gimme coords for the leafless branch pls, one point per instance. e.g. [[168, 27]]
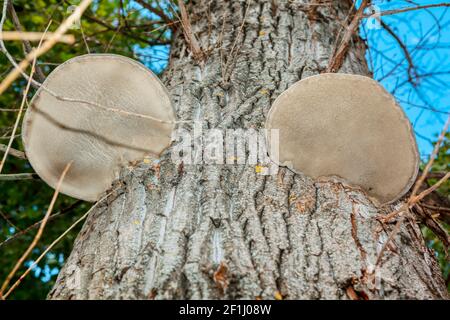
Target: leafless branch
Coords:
[[160, 13], [412, 75], [16, 124], [338, 56], [8, 220], [27, 46], [47, 45], [397, 11], [19, 176], [189, 35], [432, 158], [34, 36], [38, 234], [53, 244], [37, 224], [14, 152]]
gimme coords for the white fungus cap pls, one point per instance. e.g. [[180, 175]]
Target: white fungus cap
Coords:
[[98, 141], [348, 126]]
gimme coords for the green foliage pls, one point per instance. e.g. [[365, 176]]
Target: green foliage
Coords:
[[434, 243], [441, 164], [24, 203]]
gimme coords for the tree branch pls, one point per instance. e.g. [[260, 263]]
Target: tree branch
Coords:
[[158, 12], [46, 46], [37, 224], [27, 46], [19, 176], [36, 237], [396, 11], [123, 31], [411, 68], [14, 152], [339, 55]]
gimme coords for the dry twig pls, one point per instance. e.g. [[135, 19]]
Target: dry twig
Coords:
[[414, 198], [16, 235], [26, 44], [47, 45], [19, 176], [189, 35], [34, 36], [338, 57], [38, 234], [53, 244], [396, 11], [15, 153], [16, 124]]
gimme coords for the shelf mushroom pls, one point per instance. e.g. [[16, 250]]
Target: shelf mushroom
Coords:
[[348, 126], [100, 111]]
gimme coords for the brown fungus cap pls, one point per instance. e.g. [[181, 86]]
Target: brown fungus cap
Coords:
[[348, 126], [82, 122]]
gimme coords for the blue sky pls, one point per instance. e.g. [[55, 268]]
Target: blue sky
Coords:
[[154, 57], [426, 35]]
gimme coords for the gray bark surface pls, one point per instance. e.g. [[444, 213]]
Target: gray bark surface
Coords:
[[226, 232]]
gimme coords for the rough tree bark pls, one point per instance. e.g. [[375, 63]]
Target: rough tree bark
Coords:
[[213, 232]]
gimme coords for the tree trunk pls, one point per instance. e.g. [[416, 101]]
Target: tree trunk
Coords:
[[227, 232]]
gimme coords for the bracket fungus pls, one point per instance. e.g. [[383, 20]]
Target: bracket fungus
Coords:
[[347, 126], [100, 111]]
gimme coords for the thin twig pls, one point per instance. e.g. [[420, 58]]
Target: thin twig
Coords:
[[412, 74], [19, 115], [8, 220], [8, 110], [433, 155], [38, 234], [54, 94], [26, 44], [414, 198], [53, 244], [15, 153], [232, 55], [124, 31], [338, 57], [426, 192], [47, 45], [16, 235], [9, 137], [388, 241], [157, 11], [6, 52], [397, 11], [435, 208], [84, 39], [189, 35]]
